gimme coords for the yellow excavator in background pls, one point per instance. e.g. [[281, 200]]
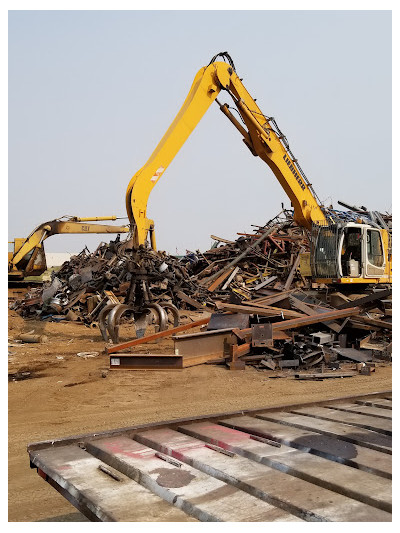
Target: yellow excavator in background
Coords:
[[346, 247], [28, 257]]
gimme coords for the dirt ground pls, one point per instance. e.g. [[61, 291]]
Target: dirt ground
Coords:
[[55, 393]]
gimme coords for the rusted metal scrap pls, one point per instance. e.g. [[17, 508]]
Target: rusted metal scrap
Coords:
[[255, 284], [116, 281]]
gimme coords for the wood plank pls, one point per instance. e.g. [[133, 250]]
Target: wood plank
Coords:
[[198, 494], [360, 436], [159, 335], [300, 497], [357, 484], [107, 499], [328, 445], [353, 419]]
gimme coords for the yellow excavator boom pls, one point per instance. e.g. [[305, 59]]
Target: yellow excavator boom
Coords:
[[259, 132], [33, 244]]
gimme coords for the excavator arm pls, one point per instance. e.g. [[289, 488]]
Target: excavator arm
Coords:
[[260, 134], [33, 244]]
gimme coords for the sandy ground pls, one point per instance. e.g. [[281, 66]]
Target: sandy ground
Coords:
[[67, 395]]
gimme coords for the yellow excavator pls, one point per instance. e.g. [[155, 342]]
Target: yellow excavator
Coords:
[[28, 257], [346, 247]]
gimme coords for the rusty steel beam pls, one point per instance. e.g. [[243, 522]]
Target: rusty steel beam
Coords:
[[258, 310], [305, 321], [220, 279], [379, 295], [159, 335], [322, 317]]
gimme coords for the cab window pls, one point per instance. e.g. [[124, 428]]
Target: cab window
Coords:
[[374, 248]]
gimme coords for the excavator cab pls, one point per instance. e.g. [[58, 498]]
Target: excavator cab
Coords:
[[350, 253], [32, 264]]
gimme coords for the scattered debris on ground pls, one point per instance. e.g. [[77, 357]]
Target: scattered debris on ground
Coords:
[[299, 331]]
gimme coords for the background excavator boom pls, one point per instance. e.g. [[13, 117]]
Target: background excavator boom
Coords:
[[28, 256]]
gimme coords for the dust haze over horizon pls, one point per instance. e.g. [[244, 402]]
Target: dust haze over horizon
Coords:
[[91, 93]]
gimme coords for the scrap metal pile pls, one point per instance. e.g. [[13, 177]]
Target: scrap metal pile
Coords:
[[88, 282], [263, 311], [291, 329], [230, 271], [246, 268]]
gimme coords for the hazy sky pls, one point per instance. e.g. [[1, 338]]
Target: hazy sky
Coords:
[[91, 93]]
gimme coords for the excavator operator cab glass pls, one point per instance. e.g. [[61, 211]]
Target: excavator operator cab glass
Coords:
[[374, 248], [351, 252], [324, 246]]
